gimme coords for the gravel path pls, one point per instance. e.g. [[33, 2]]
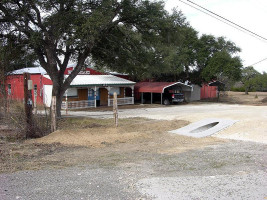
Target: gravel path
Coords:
[[232, 170], [251, 125], [242, 186]]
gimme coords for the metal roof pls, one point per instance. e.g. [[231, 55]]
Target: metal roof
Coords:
[[98, 80], [31, 70], [156, 87], [104, 80]]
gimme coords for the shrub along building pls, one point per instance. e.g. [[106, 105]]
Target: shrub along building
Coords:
[[88, 89]]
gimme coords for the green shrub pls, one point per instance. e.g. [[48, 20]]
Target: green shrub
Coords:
[[238, 89]]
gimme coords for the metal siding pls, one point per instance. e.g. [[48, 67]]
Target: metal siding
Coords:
[[208, 92]]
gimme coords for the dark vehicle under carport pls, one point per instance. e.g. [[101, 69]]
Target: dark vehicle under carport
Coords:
[[161, 92]]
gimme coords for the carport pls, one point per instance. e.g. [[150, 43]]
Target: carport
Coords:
[[160, 88]]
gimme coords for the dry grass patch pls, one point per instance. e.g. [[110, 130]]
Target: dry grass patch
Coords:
[[253, 98], [102, 132], [83, 141]]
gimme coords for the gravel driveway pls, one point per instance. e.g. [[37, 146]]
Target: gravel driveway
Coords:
[[252, 124], [232, 169]]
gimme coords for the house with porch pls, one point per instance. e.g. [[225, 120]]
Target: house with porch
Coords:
[[94, 90], [88, 89]]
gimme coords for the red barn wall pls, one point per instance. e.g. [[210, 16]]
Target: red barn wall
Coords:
[[208, 92], [17, 89]]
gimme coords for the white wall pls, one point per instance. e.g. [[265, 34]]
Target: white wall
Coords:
[[195, 94], [47, 94]]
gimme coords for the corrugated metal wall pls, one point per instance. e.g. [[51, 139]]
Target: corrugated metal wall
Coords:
[[208, 92]]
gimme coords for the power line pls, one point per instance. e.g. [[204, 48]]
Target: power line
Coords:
[[216, 18], [226, 21], [259, 62], [229, 21]]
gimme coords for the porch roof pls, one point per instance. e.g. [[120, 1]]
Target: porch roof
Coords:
[[156, 87], [99, 80]]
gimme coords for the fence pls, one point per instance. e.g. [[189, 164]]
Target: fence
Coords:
[[91, 103], [78, 104], [122, 101]]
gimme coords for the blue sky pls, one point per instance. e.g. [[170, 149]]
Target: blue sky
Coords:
[[249, 14]]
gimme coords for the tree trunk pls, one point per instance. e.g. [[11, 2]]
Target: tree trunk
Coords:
[[58, 91], [246, 91], [59, 98], [4, 95]]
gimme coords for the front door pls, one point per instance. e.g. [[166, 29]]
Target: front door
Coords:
[[91, 94]]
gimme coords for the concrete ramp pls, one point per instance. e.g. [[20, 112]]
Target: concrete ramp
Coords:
[[204, 127]]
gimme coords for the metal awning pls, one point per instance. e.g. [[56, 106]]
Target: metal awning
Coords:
[[157, 87]]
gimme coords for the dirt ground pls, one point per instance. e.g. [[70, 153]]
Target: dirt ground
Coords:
[[95, 139], [253, 98], [83, 140]]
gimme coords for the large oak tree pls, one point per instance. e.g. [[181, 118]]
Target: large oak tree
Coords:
[[60, 31]]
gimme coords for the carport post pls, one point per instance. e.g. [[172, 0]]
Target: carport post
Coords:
[[142, 98], [151, 97], [161, 98]]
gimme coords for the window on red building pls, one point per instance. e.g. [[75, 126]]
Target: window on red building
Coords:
[[35, 90], [9, 89]]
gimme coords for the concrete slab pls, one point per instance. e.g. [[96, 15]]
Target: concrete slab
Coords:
[[204, 127]]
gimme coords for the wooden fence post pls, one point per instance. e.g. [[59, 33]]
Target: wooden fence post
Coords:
[[53, 114], [28, 107], [35, 99], [115, 108]]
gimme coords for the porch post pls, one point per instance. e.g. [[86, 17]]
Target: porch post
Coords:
[[95, 95], [66, 102], [124, 92], [151, 97], [132, 87], [108, 95], [142, 98], [161, 98]]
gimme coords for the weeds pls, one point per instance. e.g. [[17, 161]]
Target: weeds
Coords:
[[15, 121]]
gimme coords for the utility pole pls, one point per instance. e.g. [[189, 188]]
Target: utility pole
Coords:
[[28, 107]]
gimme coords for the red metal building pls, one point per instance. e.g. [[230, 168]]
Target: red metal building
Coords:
[[208, 92], [42, 85], [15, 83]]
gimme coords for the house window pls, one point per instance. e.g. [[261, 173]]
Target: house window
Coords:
[[113, 90], [71, 92], [9, 89], [35, 90]]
